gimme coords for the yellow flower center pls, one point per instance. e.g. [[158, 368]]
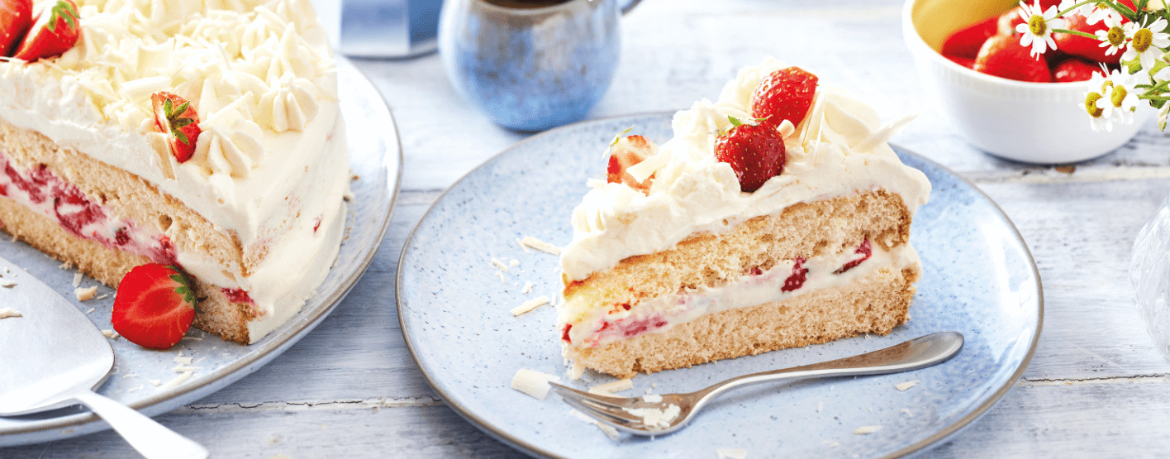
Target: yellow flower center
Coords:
[[1116, 36], [1091, 105], [1117, 96], [1142, 40], [1105, 86], [1037, 25]]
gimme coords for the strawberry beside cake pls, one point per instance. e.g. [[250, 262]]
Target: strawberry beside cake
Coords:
[[202, 135], [775, 217]]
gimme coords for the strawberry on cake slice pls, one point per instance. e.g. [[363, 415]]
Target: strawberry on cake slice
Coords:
[[775, 217], [199, 136]]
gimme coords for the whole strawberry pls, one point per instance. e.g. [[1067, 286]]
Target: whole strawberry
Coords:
[[754, 151], [15, 19], [1003, 56], [174, 117], [1088, 48], [1009, 20], [154, 307], [786, 94], [1075, 69], [966, 42], [55, 29]]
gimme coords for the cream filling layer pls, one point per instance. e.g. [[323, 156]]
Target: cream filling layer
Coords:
[[593, 325]]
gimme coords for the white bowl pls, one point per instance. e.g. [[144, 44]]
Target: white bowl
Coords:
[[1041, 123]]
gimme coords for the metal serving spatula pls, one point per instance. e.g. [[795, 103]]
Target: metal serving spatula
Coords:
[[53, 357]]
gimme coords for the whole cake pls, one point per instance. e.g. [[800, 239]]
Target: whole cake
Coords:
[[775, 217], [203, 135]]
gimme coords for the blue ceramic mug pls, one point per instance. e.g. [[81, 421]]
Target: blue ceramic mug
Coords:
[[531, 64]]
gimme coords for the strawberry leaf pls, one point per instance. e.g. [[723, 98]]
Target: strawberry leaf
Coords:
[[63, 10], [184, 288], [618, 137], [734, 121]]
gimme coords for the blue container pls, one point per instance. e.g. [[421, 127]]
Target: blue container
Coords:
[[531, 69]]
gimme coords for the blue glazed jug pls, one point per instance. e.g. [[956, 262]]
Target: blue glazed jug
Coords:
[[531, 68]]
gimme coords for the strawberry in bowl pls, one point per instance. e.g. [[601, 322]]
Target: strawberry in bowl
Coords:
[[1022, 96]]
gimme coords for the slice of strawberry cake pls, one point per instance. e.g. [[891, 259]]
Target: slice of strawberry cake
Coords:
[[776, 217], [203, 135]]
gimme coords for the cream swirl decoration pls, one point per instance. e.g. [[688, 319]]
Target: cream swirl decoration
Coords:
[[252, 69]]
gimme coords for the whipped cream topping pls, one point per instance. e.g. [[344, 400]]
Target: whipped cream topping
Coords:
[[270, 164], [840, 148]]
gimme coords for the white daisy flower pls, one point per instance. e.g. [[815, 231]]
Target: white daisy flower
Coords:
[[1097, 104], [1036, 30], [1123, 96], [1096, 13], [1113, 37], [1083, 10], [1146, 43]]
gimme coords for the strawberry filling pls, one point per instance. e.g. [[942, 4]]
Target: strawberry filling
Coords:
[[237, 295], [38, 189], [796, 280]]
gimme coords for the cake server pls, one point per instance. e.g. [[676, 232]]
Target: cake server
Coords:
[[669, 412], [53, 356]]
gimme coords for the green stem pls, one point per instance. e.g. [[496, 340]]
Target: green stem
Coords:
[[1074, 32], [1078, 5], [1146, 97]]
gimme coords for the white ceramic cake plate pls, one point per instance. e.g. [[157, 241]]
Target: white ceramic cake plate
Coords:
[[375, 155], [979, 279]]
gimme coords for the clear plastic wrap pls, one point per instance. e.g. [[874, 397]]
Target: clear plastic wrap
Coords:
[[1149, 271]]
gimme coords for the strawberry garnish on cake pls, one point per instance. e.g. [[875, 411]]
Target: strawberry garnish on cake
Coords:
[[154, 307], [55, 29], [15, 19], [624, 153], [786, 94], [174, 117], [754, 151]]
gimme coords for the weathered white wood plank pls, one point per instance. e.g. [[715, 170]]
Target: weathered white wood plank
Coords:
[[1092, 419]]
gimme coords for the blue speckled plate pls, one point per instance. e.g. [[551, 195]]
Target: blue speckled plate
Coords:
[[374, 154], [979, 279]]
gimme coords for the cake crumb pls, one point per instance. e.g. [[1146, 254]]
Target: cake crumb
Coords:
[[654, 385], [906, 411], [91, 310], [731, 453], [85, 294], [77, 279], [65, 265], [533, 383], [527, 288], [540, 245], [866, 430], [610, 432], [7, 283], [514, 263], [902, 387], [499, 265], [8, 313], [529, 305], [612, 386], [110, 334]]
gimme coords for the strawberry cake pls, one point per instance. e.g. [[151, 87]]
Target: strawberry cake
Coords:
[[204, 136], [775, 217]]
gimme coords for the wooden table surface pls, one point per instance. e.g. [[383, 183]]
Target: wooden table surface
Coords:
[[1096, 387]]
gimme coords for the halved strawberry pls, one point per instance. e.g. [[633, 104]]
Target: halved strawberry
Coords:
[[15, 19], [966, 42], [154, 307], [55, 29], [174, 116], [625, 152], [786, 94], [755, 152]]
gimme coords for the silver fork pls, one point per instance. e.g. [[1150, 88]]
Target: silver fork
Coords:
[[641, 417]]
